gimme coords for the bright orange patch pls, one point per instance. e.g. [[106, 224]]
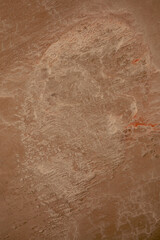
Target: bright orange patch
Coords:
[[140, 122], [135, 60], [136, 124]]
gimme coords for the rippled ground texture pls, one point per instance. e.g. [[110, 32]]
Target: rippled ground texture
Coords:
[[79, 124]]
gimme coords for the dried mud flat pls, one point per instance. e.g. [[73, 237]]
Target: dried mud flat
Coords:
[[79, 132]]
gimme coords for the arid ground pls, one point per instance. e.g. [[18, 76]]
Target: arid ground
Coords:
[[80, 120]]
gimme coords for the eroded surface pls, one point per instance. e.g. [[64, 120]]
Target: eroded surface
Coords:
[[79, 129]]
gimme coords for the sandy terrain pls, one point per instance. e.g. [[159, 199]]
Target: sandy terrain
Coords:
[[80, 120]]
